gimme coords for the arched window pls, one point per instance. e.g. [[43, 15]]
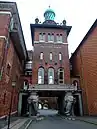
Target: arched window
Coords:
[[41, 75], [60, 56], [50, 76], [61, 76]]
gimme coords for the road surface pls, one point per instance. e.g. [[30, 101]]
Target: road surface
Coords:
[[53, 121]]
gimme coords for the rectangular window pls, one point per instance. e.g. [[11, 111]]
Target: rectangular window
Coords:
[[51, 81], [51, 56], [42, 37], [60, 56], [40, 76], [61, 76], [59, 38], [25, 85], [41, 56], [50, 76], [50, 37]]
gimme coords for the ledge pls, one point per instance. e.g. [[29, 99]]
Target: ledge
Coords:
[[64, 87]]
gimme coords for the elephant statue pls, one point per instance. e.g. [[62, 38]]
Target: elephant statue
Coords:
[[33, 104], [69, 99]]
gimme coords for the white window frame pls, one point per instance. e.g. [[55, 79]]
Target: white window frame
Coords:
[[59, 71], [50, 37], [41, 56], [59, 38], [51, 77], [42, 38], [51, 56], [41, 78], [60, 56]]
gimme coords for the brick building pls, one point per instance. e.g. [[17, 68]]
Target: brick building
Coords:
[[49, 62], [84, 68], [13, 54], [51, 67], [50, 52]]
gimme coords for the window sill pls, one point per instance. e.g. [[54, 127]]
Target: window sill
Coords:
[[41, 41], [50, 41], [59, 42]]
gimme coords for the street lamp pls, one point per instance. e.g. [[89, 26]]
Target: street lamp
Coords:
[[13, 85]]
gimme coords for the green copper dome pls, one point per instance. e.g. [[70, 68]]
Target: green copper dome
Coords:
[[49, 14]]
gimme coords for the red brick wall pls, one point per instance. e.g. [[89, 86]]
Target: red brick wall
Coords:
[[46, 48], [4, 24], [46, 31], [86, 60], [6, 82], [15, 71]]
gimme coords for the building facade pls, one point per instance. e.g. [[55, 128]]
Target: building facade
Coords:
[[13, 55], [50, 57], [84, 68], [45, 71], [51, 66]]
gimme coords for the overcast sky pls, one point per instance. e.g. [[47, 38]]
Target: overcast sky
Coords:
[[80, 14]]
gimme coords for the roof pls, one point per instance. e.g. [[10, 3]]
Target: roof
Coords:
[[49, 26], [85, 38]]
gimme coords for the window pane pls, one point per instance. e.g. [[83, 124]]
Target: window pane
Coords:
[[40, 76], [52, 37], [61, 75], [51, 56], [60, 38], [42, 37], [51, 76], [60, 56], [57, 38], [41, 56], [49, 37]]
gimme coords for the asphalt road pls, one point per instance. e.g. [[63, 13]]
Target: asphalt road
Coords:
[[53, 121]]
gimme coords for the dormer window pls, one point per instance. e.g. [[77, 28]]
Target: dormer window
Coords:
[[59, 38], [42, 37], [50, 37]]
